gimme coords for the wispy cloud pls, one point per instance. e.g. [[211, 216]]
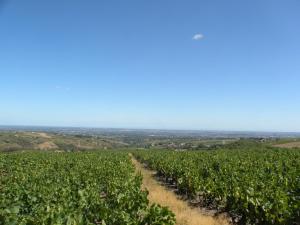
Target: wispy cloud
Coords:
[[198, 37], [58, 87]]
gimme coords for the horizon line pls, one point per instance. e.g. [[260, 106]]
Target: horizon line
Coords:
[[153, 129]]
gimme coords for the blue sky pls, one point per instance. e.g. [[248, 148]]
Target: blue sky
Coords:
[[212, 64]]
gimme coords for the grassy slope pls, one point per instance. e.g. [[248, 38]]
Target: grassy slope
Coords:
[[13, 141]]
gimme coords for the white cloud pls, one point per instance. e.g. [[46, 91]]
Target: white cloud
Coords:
[[198, 37], [62, 88]]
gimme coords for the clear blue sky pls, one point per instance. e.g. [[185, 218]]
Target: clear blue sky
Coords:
[[193, 64]]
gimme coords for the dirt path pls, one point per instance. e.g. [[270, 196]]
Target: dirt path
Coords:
[[185, 215]]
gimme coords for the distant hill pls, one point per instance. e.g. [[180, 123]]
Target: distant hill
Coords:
[[14, 138], [24, 140]]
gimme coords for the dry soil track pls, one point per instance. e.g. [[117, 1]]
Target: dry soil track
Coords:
[[185, 214]]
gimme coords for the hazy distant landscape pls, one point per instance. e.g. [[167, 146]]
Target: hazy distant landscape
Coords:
[[14, 138]]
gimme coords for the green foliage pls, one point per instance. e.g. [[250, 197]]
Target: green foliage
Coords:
[[74, 189], [259, 186]]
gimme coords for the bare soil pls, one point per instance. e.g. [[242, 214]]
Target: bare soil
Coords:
[[295, 144], [48, 145]]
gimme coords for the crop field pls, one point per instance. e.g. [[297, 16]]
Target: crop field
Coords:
[[74, 189], [255, 186]]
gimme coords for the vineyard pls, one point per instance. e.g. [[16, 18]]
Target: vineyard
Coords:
[[256, 186], [74, 189]]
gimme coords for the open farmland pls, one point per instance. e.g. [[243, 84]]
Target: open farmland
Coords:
[[74, 188], [255, 185]]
